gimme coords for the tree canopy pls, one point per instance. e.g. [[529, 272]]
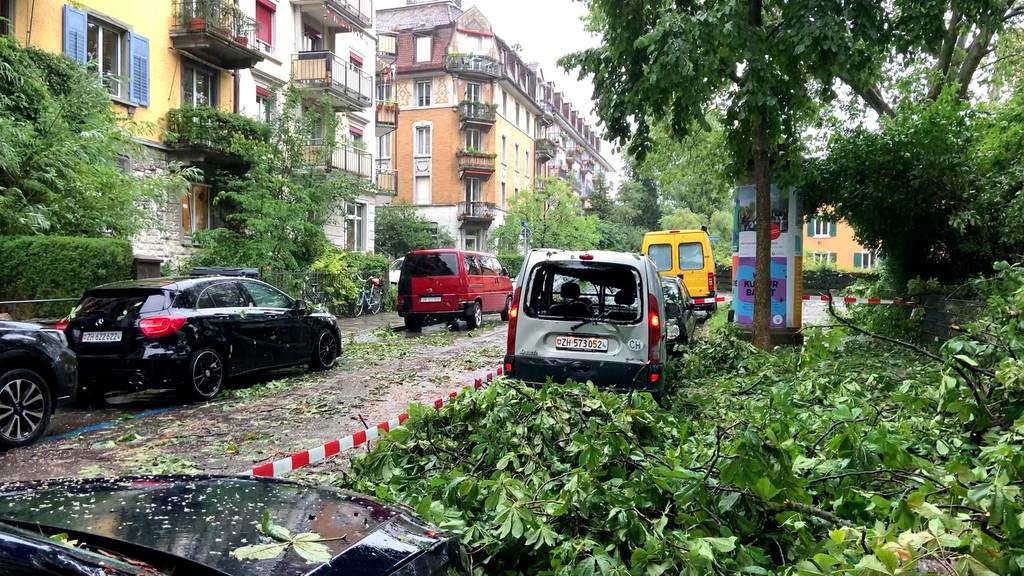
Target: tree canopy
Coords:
[[555, 218], [399, 229]]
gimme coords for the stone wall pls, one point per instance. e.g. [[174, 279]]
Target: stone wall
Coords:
[[163, 238]]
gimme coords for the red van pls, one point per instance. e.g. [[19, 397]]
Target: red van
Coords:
[[451, 284]]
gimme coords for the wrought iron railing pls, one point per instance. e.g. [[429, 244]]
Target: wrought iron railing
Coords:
[[473, 64], [546, 148], [217, 17], [476, 161], [327, 70], [387, 113], [360, 11], [344, 157], [477, 210], [478, 111], [387, 181]]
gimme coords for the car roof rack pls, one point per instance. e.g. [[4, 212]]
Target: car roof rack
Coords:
[[202, 271]]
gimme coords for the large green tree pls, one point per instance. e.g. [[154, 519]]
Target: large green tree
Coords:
[[61, 146], [769, 63], [399, 229], [554, 217]]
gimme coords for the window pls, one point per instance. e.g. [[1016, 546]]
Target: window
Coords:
[[580, 290], [422, 141], [474, 267], [384, 149], [198, 86], [223, 295], [517, 157], [473, 139], [264, 105], [472, 192], [823, 228], [470, 242], [865, 260], [355, 226], [424, 47], [312, 41], [504, 156], [355, 60], [107, 46], [6, 17], [195, 209], [823, 257], [473, 92], [691, 256], [503, 193], [385, 91], [504, 104], [421, 194], [265, 296], [423, 88], [265, 24], [661, 254], [527, 121], [527, 167], [442, 264], [517, 114]]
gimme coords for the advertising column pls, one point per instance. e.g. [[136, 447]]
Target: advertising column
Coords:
[[787, 257]]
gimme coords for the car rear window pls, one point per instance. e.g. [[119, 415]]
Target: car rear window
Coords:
[[661, 254], [443, 264], [120, 306], [691, 256], [584, 290]]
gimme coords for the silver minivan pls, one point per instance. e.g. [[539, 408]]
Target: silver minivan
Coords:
[[588, 316]]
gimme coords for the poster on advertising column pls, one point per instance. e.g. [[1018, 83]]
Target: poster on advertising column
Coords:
[[786, 252]]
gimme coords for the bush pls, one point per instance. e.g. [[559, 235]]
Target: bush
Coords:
[[513, 262], [38, 267], [399, 229], [212, 128], [341, 274]]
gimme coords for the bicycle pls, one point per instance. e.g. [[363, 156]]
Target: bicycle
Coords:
[[370, 298]]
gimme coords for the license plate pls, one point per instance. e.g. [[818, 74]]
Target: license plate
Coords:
[[101, 337], [581, 344], [430, 299]]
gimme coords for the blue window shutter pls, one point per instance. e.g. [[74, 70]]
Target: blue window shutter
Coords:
[[138, 71], [858, 260], [832, 229], [75, 27], [810, 227]]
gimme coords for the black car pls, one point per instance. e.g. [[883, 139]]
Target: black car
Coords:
[[190, 334], [37, 373], [679, 314], [197, 526]]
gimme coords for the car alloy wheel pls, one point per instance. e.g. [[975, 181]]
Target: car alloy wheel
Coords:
[[326, 349], [24, 408], [207, 373]]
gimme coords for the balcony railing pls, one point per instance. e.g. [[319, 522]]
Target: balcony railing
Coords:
[[477, 112], [480, 211], [216, 31], [359, 11], [211, 130], [344, 157], [387, 117], [473, 65], [387, 181], [476, 163], [387, 47], [545, 149], [347, 85]]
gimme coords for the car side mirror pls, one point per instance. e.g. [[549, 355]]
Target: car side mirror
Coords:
[[300, 306], [504, 272]]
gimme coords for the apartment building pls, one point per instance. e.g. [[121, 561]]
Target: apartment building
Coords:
[[472, 111], [833, 243], [163, 55]]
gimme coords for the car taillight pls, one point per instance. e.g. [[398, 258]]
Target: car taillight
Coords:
[[513, 320], [711, 282], [653, 329], [160, 326], [61, 325]]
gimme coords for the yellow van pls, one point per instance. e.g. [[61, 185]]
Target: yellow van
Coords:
[[686, 254]]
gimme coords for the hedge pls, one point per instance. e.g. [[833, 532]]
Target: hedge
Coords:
[[512, 262], [38, 267]]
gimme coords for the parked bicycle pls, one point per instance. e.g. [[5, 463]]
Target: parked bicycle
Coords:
[[370, 298]]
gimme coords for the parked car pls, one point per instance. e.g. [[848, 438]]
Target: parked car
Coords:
[[38, 373], [679, 314], [395, 271], [191, 334], [160, 525], [451, 284], [588, 316], [685, 254]]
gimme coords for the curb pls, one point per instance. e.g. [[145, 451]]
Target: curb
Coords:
[[304, 458]]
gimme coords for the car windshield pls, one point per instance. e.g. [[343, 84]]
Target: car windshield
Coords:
[[438, 264], [691, 256], [584, 291], [661, 254]]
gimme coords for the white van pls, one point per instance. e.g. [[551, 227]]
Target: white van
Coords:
[[588, 316]]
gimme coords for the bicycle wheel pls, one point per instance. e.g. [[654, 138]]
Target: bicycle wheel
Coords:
[[376, 303], [360, 305]]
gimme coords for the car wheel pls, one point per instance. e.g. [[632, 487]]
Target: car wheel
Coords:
[[206, 373], [25, 408], [325, 350], [475, 317], [413, 323], [505, 314]]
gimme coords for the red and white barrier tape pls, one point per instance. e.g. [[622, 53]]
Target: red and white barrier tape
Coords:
[[822, 298], [712, 300], [304, 458]]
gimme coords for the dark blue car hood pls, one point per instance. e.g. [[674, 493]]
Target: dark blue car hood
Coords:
[[204, 518]]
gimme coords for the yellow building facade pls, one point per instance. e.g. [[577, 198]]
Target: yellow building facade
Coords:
[[834, 243]]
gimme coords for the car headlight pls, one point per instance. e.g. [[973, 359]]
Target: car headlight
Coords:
[[58, 335]]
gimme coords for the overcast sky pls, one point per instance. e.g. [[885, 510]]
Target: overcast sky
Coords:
[[547, 30]]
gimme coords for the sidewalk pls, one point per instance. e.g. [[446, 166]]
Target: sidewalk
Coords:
[[367, 323]]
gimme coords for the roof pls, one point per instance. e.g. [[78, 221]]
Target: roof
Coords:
[[416, 17], [174, 283]]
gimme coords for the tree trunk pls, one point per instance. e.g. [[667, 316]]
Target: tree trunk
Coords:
[[763, 254]]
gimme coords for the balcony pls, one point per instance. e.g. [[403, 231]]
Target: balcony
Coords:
[[205, 134], [387, 118], [476, 164], [473, 66], [387, 181], [345, 157], [387, 48], [545, 149], [476, 213], [477, 114], [325, 74], [340, 15], [215, 31]]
